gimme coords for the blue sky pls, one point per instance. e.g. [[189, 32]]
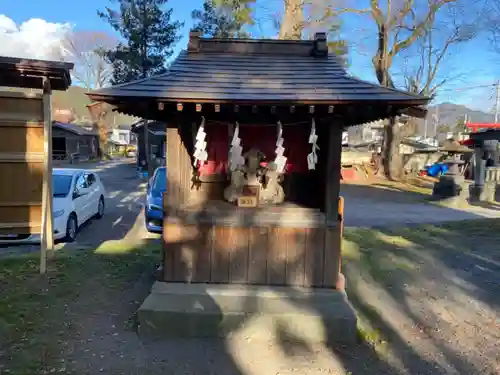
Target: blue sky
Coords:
[[475, 63]]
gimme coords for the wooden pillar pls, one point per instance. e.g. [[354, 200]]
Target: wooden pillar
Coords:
[[47, 232], [173, 165], [333, 226], [147, 149], [179, 173]]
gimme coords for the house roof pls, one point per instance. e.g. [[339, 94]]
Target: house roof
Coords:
[[28, 73], [155, 127], [72, 128], [251, 71]]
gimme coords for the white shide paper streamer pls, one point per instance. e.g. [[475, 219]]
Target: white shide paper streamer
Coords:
[[236, 158], [200, 148], [280, 159], [312, 157]]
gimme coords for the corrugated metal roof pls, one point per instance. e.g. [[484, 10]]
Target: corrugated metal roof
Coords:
[[239, 70], [76, 129]]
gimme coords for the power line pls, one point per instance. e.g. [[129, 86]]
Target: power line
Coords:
[[469, 87]]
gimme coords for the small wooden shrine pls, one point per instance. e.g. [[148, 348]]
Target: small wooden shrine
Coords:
[[254, 132]]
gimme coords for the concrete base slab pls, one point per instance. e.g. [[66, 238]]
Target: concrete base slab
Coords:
[[257, 312]]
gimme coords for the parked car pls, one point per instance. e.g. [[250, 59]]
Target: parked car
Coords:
[[78, 195], [157, 185]]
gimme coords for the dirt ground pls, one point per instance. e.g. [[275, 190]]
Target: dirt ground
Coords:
[[431, 293], [427, 298]]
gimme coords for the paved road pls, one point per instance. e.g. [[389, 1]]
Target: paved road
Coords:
[[367, 206], [124, 214]]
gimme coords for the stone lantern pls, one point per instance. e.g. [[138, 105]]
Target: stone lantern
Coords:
[[451, 183]]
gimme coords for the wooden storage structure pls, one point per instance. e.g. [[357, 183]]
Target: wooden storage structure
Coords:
[[25, 145], [258, 86], [21, 162]]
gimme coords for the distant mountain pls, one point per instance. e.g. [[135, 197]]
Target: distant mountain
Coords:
[[449, 114]]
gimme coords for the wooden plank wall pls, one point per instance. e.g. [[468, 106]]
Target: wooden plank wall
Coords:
[[248, 255], [21, 162], [179, 170]]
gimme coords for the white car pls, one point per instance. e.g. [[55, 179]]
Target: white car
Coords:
[[78, 195]]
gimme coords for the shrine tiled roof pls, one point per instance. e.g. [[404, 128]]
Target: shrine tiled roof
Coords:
[[278, 71]]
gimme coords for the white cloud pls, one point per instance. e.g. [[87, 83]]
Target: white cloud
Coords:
[[34, 39]]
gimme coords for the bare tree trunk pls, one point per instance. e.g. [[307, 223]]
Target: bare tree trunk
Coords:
[[293, 20], [392, 160]]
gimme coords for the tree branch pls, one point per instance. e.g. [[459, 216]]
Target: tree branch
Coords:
[[421, 27]]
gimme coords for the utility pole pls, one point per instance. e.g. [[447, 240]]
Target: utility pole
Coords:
[[436, 121], [497, 102]]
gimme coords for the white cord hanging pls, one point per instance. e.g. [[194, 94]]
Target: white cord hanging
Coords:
[[200, 148], [312, 157], [280, 159], [236, 158]]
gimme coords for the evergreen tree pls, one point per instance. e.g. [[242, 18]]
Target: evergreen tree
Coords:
[[149, 35], [224, 18]]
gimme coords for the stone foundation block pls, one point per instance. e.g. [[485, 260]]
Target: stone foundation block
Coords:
[[257, 312]]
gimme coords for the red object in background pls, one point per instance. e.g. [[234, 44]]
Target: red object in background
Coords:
[[475, 126], [348, 174], [467, 142], [260, 137]]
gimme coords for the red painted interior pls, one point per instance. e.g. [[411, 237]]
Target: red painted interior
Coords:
[[261, 137], [217, 149]]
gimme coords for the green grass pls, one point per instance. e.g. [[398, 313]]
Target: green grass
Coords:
[[33, 321], [394, 257]]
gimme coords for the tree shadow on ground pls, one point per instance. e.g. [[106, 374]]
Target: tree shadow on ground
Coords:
[[361, 358], [428, 276], [94, 296], [489, 205], [381, 193], [128, 279], [101, 307]]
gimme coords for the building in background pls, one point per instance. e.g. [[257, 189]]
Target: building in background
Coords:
[[156, 143], [121, 139], [73, 143]]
